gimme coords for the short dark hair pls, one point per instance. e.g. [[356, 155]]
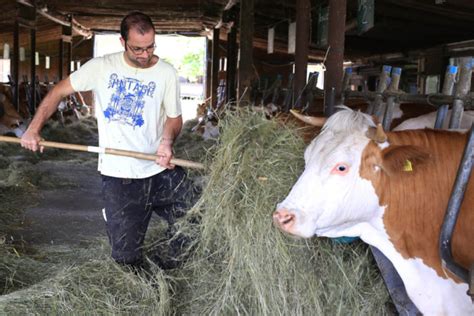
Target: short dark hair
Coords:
[[137, 20]]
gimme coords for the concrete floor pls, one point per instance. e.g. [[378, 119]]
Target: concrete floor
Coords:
[[68, 215]]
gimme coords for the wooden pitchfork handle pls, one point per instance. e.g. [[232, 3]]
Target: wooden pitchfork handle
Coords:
[[108, 151]]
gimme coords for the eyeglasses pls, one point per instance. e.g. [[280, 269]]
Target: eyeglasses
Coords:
[[141, 50]]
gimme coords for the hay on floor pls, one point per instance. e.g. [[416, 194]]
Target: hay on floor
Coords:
[[238, 264]]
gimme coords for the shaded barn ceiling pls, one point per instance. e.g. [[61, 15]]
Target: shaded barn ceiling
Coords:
[[399, 25]]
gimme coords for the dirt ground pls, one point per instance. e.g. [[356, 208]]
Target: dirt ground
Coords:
[[68, 215]]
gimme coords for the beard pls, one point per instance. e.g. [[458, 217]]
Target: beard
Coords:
[[142, 62]]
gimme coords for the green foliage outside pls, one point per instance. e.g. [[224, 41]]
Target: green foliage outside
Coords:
[[189, 61]]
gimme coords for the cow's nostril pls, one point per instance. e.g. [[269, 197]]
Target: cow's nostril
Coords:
[[283, 218], [288, 219]]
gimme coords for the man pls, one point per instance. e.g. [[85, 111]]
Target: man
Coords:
[[137, 108]]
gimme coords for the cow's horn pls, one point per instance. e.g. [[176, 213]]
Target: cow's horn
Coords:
[[377, 134], [312, 120]]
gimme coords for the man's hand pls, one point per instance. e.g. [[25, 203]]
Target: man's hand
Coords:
[[30, 140], [165, 153]]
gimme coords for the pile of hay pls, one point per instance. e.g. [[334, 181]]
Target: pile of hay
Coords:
[[242, 264], [238, 263]]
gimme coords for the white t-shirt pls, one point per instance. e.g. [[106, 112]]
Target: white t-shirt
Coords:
[[131, 108]]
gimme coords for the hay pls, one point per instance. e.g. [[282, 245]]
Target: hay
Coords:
[[241, 263], [88, 281], [238, 264]]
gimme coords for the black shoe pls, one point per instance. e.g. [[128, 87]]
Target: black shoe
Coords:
[[166, 264]]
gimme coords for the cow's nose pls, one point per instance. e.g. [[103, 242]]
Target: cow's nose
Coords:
[[284, 219]]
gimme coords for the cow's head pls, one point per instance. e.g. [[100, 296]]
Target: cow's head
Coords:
[[331, 197]]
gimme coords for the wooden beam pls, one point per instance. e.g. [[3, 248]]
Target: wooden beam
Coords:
[[246, 67], [303, 24], [15, 66], [231, 71], [334, 72], [208, 65], [215, 67]]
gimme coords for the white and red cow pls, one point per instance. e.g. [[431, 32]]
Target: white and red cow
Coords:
[[393, 194]]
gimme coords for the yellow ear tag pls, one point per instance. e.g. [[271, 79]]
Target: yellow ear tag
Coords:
[[407, 166]]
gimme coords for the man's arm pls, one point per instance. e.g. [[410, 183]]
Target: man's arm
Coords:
[[48, 106], [171, 130]]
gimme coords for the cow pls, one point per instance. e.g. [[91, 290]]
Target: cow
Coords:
[[391, 190], [428, 121], [10, 121]]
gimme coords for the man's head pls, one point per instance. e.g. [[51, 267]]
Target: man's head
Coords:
[[138, 39]]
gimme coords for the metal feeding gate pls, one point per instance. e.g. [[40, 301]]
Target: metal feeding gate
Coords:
[[388, 90]]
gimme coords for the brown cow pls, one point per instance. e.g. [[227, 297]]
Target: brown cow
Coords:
[[393, 194]]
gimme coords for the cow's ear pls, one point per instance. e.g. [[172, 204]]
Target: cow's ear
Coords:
[[400, 159]]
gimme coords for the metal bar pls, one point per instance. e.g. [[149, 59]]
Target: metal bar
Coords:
[[456, 114], [448, 85], [395, 79], [441, 116], [394, 284], [435, 100], [454, 206], [387, 118], [463, 87], [449, 79], [378, 108]]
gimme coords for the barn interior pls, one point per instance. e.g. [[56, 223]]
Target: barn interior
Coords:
[[308, 55], [260, 47]]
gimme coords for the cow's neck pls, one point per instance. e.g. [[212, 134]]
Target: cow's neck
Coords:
[[431, 294], [416, 201]]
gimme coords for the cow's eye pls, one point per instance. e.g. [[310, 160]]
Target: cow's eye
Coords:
[[340, 168]]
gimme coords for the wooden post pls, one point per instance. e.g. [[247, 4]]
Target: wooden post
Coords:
[[208, 76], [67, 30], [16, 65], [33, 72], [231, 64], [215, 67], [303, 11], [334, 62], [61, 60], [246, 70]]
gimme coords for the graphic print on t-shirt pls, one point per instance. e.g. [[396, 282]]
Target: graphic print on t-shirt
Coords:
[[127, 101]]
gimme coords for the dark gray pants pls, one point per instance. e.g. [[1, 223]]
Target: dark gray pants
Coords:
[[129, 204]]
